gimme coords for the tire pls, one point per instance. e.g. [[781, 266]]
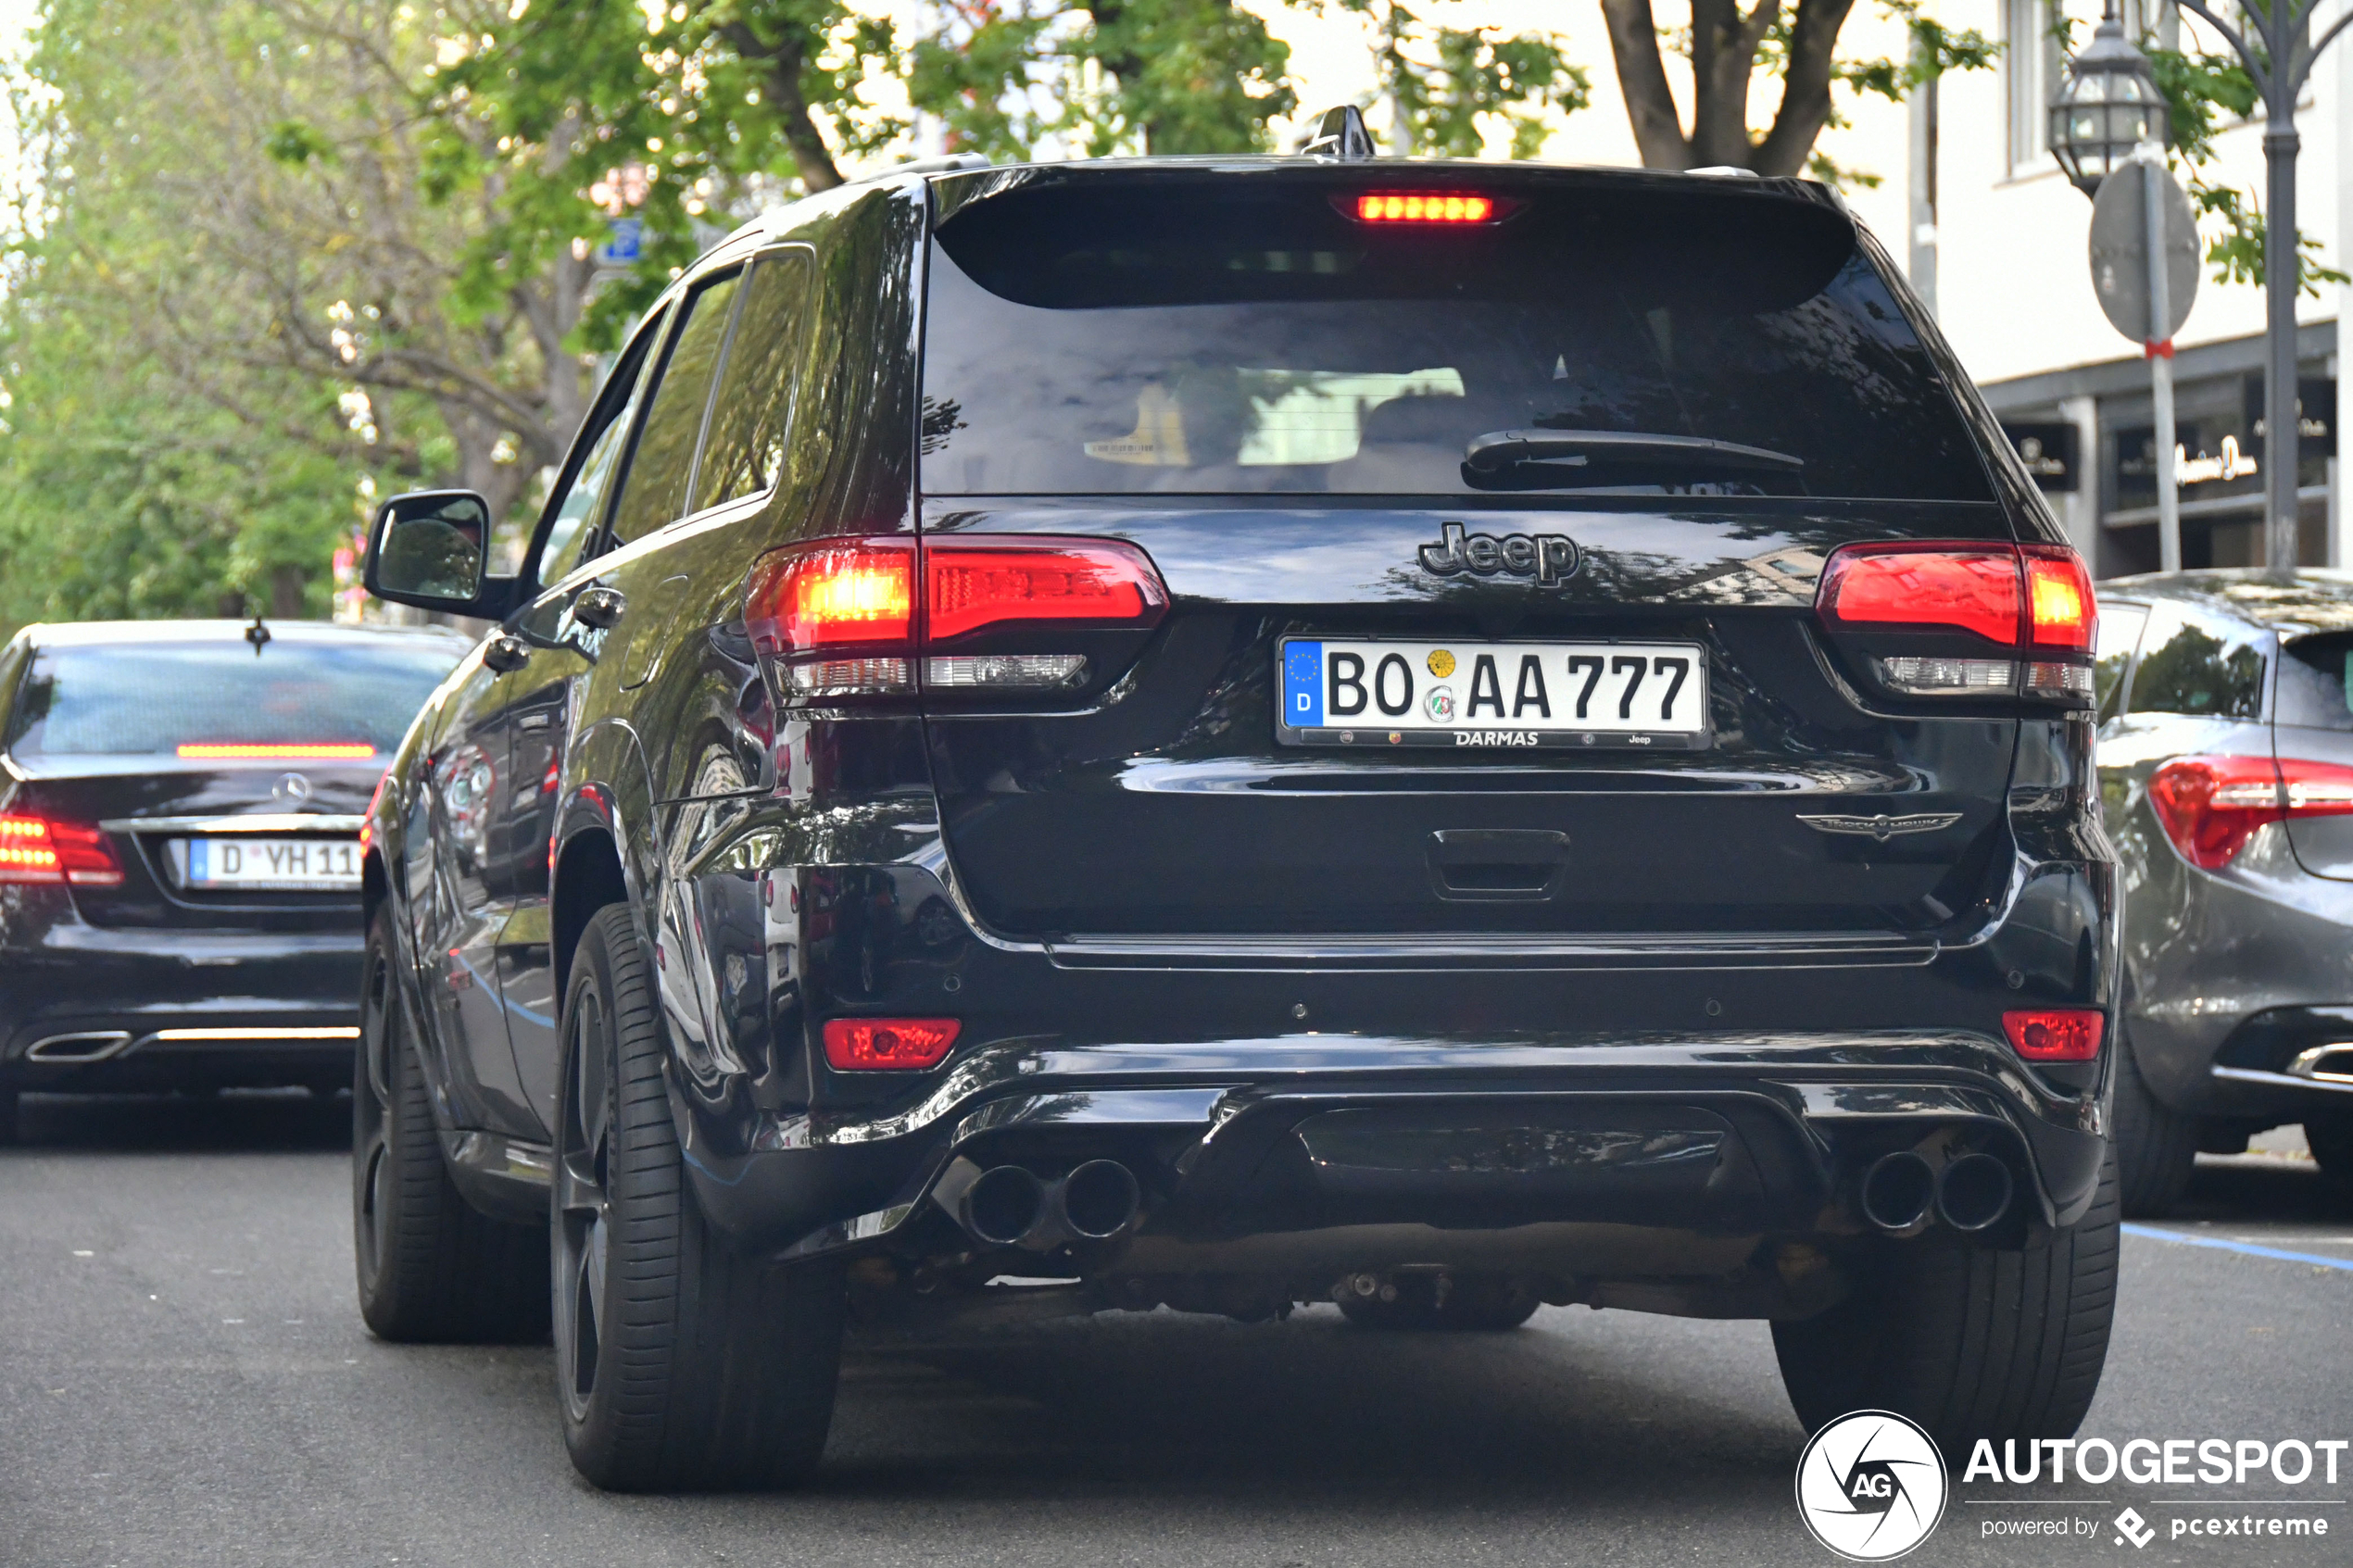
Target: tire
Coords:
[[1969, 1341], [1472, 1302], [682, 1364], [433, 1269], [2156, 1147], [2331, 1140], [10, 1107]]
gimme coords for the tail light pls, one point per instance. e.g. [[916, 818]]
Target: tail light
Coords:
[[38, 849], [866, 617], [2056, 1033], [2211, 805], [368, 818], [888, 1045], [1922, 613], [1424, 206]]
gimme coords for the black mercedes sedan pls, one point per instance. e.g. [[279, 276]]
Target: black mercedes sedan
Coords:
[[1422, 740], [180, 812]]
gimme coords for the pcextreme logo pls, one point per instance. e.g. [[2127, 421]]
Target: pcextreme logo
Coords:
[[1870, 1486]]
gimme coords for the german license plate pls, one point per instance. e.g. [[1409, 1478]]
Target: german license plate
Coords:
[[1492, 695], [274, 864]]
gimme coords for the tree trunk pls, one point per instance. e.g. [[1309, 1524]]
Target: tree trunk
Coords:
[[1724, 64], [285, 592], [784, 60], [1642, 78]]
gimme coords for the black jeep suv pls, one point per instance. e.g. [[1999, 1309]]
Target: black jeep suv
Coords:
[[1224, 734]]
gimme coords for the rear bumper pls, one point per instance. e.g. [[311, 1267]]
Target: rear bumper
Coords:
[[1297, 1153], [2232, 976], [1490, 1078], [91, 1010]]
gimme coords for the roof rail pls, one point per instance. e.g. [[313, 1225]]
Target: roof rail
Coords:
[[1339, 134], [947, 163], [1725, 171]]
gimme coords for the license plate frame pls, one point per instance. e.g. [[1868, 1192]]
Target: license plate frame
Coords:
[[1417, 726], [232, 863]]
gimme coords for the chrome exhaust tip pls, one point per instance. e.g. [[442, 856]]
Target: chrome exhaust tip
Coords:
[[1099, 1199], [1973, 1192], [1897, 1193], [1002, 1205], [92, 1045]]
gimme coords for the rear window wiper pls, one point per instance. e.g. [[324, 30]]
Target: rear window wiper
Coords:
[[1498, 452]]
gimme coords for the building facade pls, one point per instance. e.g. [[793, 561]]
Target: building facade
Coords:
[[1998, 241]]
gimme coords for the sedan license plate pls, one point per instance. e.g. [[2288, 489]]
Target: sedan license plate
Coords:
[[1493, 694], [271, 864]]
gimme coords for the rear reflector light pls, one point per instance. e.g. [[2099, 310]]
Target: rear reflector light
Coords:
[[888, 1045], [38, 851], [305, 751], [1424, 206], [2211, 806], [2055, 1034], [967, 586]]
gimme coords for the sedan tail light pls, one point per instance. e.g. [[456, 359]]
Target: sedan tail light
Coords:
[[2211, 805], [863, 618], [1922, 611], [39, 849]]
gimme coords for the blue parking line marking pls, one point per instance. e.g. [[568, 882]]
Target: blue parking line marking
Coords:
[[2247, 1246]]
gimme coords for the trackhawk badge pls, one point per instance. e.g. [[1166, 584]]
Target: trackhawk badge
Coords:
[[1551, 559], [1882, 827]]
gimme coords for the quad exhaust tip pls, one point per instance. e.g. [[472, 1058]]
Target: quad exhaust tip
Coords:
[[1099, 1199], [1898, 1192], [1002, 1205], [1972, 1192], [1903, 1192], [1008, 1206]]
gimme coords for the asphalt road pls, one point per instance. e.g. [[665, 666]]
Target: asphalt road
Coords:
[[184, 1379]]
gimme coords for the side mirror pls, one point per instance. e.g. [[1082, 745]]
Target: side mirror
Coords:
[[429, 549]]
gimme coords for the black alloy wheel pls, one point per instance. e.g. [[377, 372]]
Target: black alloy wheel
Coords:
[[683, 1364], [432, 1268]]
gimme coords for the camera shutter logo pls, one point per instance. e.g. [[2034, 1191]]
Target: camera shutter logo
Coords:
[[1871, 1487]]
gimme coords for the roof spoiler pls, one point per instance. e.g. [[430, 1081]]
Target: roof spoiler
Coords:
[[1339, 134]]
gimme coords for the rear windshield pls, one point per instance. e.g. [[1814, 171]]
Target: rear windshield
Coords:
[[203, 700], [2316, 683], [1084, 341]]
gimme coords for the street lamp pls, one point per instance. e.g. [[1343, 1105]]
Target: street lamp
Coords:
[[2278, 51], [2107, 105], [2106, 116]]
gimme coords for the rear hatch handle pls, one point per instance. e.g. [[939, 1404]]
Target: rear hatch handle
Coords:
[[1482, 865]]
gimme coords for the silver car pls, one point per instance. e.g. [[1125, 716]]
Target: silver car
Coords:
[[2226, 769]]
